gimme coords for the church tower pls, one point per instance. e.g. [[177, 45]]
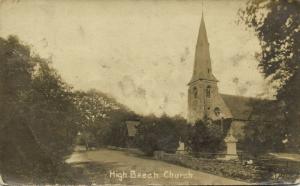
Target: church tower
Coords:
[[203, 96]]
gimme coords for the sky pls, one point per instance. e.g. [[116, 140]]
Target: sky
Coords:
[[140, 52]]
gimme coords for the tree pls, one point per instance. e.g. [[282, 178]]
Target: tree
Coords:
[[93, 108], [267, 129], [146, 137], [37, 115], [276, 24], [206, 136], [117, 127], [102, 119], [160, 133], [51, 107]]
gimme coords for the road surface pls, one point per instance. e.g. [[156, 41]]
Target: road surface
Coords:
[[118, 167]]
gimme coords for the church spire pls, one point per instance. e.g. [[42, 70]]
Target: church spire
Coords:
[[204, 100], [202, 35], [202, 63]]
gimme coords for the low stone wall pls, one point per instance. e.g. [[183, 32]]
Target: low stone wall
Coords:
[[227, 168], [131, 150]]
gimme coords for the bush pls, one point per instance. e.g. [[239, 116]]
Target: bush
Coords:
[[205, 136], [160, 133]]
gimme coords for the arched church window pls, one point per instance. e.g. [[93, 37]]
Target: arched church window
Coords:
[[208, 91], [195, 92], [217, 111]]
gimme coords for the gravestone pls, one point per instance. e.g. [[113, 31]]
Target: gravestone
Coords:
[[180, 149], [231, 152]]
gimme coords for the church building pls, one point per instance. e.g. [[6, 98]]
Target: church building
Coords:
[[204, 99]]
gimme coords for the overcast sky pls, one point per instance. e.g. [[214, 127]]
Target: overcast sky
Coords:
[[140, 52]]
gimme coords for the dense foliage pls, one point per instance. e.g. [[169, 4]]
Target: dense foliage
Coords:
[[160, 133], [164, 134], [277, 25], [267, 130], [207, 136], [37, 114], [40, 116], [102, 119]]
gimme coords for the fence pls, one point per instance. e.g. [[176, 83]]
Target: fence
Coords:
[[131, 150]]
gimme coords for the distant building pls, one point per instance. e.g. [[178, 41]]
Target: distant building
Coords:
[[131, 127], [204, 98]]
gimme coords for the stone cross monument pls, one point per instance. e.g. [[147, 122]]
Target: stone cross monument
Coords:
[[231, 141]]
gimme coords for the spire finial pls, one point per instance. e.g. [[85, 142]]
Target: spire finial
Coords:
[[202, 8]]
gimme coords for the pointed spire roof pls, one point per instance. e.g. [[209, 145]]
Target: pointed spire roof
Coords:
[[202, 35], [202, 63]]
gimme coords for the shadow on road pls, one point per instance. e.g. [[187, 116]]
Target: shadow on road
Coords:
[[91, 172]]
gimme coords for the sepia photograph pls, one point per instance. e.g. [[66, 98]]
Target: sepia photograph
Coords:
[[149, 92]]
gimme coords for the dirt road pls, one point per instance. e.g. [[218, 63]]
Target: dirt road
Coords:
[[117, 167]]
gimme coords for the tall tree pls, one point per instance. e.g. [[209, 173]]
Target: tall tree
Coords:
[[102, 118], [37, 114], [277, 25]]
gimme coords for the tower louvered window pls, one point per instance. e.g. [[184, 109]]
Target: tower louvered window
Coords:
[[195, 92], [208, 91]]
